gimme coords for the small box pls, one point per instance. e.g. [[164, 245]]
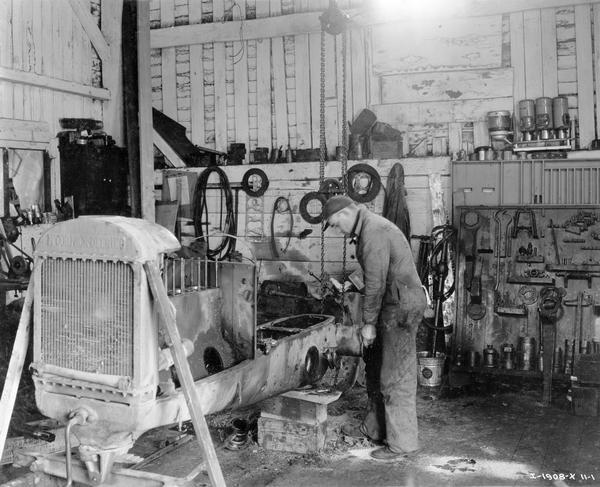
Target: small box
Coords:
[[291, 436], [585, 400], [386, 149]]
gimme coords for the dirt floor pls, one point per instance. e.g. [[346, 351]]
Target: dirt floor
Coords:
[[493, 434]]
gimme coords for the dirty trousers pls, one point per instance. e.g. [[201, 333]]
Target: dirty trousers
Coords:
[[391, 373]]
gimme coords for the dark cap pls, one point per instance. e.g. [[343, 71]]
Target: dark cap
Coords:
[[333, 205]]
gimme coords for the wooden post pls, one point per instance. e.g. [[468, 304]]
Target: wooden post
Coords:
[[15, 367], [145, 110], [166, 310]]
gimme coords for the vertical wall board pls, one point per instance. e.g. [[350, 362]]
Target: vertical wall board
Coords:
[[263, 90], [373, 81], [314, 42], [549, 57], [240, 69], [67, 20], [37, 41], [532, 37], [279, 93], [196, 79], [169, 80], [6, 59], [585, 74], [263, 80], [358, 72], [454, 137], [18, 63], [47, 70], [220, 97], [596, 14], [517, 58], [303, 105]]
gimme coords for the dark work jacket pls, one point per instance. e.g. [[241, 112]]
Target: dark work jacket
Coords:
[[387, 263]]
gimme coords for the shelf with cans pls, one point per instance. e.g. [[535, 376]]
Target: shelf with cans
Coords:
[[521, 269], [542, 128]]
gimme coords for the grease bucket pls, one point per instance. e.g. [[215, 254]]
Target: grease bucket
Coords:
[[430, 369]]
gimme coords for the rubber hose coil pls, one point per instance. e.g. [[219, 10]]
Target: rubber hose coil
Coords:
[[356, 190]]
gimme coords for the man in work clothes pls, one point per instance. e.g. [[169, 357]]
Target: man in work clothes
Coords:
[[394, 302]]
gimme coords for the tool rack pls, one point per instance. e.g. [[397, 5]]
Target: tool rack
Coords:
[[506, 256]]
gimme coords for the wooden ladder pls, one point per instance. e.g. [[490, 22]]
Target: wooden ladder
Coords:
[[166, 311]]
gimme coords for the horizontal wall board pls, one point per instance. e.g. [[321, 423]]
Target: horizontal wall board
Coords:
[[452, 44], [447, 85], [402, 114]]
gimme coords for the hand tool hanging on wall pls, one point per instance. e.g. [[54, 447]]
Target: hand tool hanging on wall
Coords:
[[475, 309], [517, 226], [281, 205], [470, 222]]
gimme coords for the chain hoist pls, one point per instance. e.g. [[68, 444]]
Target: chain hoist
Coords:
[[333, 22]]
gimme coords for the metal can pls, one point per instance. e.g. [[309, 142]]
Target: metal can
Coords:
[[526, 349], [473, 358], [560, 112], [489, 356], [508, 356], [498, 120], [527, 115], [543, 113]]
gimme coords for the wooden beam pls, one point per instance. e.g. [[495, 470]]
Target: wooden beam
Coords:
[[378, 11], [197, 80], [596, 16], [15, 366], [304, 23], [112, 74], [145, 110], [91, 29], [55, 84], [169, 76], [549, 54], [166, 311], [585, 74], [167, 150], [517, 59]]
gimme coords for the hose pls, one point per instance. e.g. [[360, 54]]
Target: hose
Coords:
[[280, 201], [438, 265], [200, 211], [76, 419]]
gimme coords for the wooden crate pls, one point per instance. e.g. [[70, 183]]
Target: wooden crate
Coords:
[[585, 400], [291, 436]]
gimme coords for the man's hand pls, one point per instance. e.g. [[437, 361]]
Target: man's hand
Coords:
[[368, 334]]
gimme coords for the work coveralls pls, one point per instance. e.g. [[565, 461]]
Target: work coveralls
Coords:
[[394, 301]]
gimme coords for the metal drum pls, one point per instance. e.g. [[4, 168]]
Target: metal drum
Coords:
[[527, 115], [498, 120], [526, 353], [560, 116], [543, 116]]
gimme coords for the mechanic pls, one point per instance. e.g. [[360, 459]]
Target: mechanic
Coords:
[[394, 302]]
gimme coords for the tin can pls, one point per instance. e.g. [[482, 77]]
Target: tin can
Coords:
[[489, 356], [526, 353], [473, 358], [508, 356]]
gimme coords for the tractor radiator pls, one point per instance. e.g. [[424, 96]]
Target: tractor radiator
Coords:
[[86, 315]]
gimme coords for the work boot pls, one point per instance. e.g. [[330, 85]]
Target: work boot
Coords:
[[385, 454], [359, 432]]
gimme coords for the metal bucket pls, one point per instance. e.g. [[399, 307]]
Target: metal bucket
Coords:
[[430, 369]]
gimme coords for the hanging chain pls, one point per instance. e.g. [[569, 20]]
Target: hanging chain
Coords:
[[322, 151], [344, 148]]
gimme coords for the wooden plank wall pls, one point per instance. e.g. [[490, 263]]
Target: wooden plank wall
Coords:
[[46, 38], [293, 181], [434, 84]]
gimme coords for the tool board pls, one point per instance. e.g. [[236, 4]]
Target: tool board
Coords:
[[507, 255]]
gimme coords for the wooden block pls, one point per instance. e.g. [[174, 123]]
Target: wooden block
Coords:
[[291, 436]]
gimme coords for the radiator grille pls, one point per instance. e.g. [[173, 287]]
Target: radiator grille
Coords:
[[87, 315]]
